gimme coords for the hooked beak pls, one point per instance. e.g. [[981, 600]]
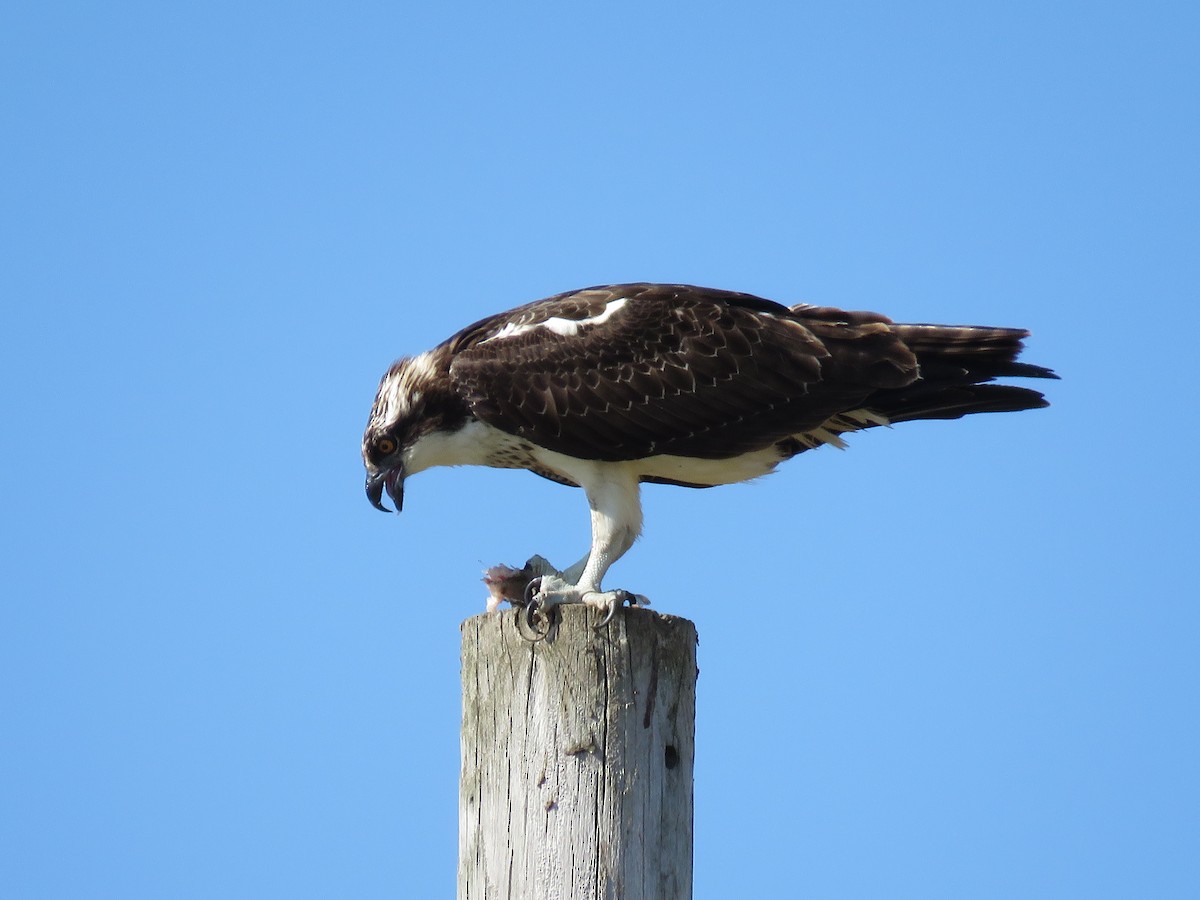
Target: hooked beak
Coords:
[[393, 480]]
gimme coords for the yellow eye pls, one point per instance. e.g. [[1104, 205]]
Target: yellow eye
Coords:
[[385, 445]]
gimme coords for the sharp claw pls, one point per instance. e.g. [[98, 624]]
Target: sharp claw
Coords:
[[623, 597], [531, 603], [532, 607], [608, 617], [531, 589]]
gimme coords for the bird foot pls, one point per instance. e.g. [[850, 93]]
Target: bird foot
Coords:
[[507, 584], [538, 587], [545, 592]]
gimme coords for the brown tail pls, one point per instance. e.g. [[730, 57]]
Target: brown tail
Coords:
[[957, 364]]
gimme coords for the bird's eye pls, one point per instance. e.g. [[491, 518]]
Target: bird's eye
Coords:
[[385, 445]]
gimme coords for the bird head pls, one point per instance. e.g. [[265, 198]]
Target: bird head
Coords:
[[414, 400]]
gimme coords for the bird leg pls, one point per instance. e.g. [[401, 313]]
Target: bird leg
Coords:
[[616, 522]]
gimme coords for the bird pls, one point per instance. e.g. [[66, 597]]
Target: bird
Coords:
[[613, 386]]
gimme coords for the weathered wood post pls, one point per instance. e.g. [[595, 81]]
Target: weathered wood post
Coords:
[[577, 756]]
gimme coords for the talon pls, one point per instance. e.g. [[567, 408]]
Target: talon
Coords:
[[531, 589], [608, 617], [531, 603], [528, 631], [621, 599], [528, 612]]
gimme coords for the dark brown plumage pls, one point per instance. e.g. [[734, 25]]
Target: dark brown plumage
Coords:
[[705, 373], [612, 386]]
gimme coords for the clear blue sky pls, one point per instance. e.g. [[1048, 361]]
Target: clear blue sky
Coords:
[[956, 660]]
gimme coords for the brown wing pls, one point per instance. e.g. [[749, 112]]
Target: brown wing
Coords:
[[673, 369]]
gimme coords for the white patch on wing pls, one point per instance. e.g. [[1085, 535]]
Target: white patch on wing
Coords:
[[559, 325], [512, 329]]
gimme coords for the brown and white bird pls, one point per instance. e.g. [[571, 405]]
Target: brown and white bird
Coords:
[[608, 387]]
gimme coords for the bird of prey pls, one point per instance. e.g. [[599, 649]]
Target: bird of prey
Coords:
[[608, 387]]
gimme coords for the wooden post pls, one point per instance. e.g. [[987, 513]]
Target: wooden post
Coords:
[[577, 758]]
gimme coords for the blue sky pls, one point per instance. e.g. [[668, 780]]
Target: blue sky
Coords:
[[957, 660]]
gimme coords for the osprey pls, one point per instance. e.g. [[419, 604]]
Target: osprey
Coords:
[[608, 387]]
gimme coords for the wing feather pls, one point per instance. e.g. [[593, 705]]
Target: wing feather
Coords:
[[674, 369]]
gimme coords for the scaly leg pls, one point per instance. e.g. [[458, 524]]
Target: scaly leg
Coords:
[[613, 496]]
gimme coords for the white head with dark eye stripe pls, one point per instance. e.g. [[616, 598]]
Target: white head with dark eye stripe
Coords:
[[412, 402]]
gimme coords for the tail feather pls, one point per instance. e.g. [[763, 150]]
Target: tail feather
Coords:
[[936, 402], [918, 371], [957, 362], [950, 340]]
